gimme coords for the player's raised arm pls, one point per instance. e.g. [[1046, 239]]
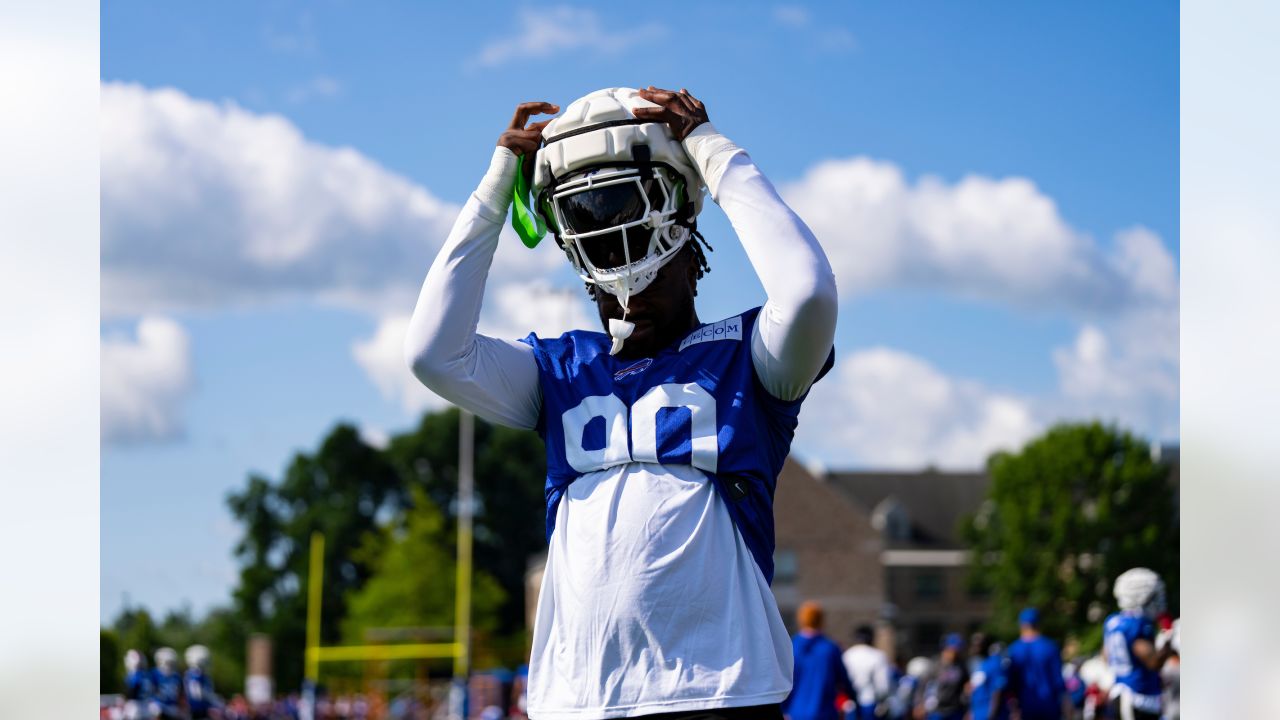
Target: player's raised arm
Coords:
[[496, 379], [793, 336]]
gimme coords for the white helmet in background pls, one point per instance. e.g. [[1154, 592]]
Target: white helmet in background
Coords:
[[1097, 672], [197, 656], [1140, 589], [620, 193], [167, 659], [134, 660], [919, 667]]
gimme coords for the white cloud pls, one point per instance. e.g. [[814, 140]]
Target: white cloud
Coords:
[[543, 32], [886, 408], [999, 240], [382, 359], [511, 312], [146, 382], [208, 204], [1004, 241], [515, 310]]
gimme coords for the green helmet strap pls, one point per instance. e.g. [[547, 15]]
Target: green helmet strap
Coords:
[[526, 221]]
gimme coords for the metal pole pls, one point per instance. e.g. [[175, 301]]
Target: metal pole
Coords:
[[315, 587], [466, 510]]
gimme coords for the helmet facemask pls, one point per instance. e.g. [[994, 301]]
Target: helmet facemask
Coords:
[[619, 226]]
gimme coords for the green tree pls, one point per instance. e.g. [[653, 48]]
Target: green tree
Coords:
[[510, 473], [1064, 516], [341, 490], [352, 492], [414, 579], [110, 662], [135, 630]]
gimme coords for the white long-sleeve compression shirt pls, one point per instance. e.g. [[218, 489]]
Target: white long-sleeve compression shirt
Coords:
[[498, 379]]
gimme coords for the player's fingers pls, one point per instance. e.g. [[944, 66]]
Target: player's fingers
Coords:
[[537, 126], [658, 96], [525, 110], [686, 102], [656, 114]]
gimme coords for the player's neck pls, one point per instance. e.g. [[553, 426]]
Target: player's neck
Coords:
[[664, 338]]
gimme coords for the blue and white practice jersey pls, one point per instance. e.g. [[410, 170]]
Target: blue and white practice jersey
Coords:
[[659, 501], [168, 689], [1119, 633], [200, 696]]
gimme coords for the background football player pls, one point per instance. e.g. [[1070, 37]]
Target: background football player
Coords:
[[201, 699], [1130, 644], [138, 686], [665, 436], [168, 684]]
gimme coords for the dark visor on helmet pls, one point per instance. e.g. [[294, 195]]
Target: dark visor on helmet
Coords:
[[600, 208]]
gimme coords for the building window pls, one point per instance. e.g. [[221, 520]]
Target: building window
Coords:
[[785, 566], [928, 585]]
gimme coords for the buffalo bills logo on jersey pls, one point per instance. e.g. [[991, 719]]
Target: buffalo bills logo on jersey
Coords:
[[635, 369]]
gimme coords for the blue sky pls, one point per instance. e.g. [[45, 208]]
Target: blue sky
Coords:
[[997, 185]]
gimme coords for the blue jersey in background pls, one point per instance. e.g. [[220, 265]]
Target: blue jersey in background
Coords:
[[819, 676], [1035, 678], [168, 688], [1119, 632], [989, 678]]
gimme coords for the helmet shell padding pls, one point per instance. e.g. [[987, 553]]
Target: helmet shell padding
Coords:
[[600, 129]]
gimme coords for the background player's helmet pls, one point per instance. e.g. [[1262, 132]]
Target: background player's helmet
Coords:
[[1095, 672], [197, 656], [167, 659], [134, 660], [1140, 589], [919, 667], [620, 193]]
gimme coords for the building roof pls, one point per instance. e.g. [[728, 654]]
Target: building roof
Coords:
[[932, 502]]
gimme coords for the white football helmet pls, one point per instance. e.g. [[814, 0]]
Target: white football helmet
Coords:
[[919, 667], [620, 193], [134, 660], [1140, 589], [197, 656], [167, 659]]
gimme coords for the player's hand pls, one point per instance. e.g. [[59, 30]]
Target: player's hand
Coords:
[[681, 111], [523, 139]]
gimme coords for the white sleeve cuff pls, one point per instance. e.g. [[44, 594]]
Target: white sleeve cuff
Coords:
[[710, 152], [494, 192]]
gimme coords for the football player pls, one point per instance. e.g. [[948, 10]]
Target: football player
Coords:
[[168, 684], [138, 687], [201, 699], [665, 436], [1130, 646]]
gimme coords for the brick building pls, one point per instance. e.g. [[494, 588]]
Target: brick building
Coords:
[[901, 566]]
